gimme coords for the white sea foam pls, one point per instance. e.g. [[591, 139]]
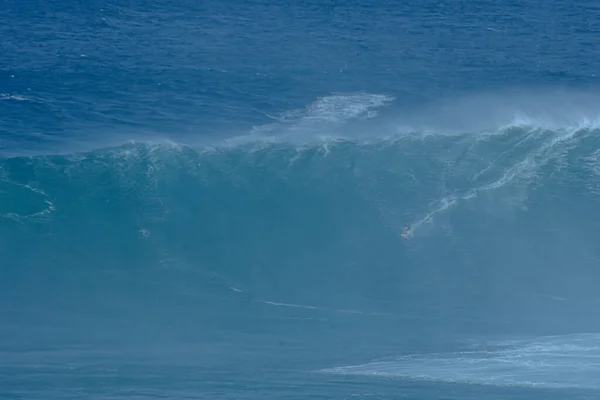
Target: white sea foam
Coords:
[[569, 361]]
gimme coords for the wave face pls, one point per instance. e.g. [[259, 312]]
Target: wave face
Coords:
[[501, 221], [149, 241]]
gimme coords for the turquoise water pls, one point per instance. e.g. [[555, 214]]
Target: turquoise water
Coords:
[[206, 201]]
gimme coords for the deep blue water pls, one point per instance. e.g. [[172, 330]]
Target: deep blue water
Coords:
[[205, 200]]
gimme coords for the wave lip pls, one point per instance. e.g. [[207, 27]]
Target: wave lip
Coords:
[[569, 361]]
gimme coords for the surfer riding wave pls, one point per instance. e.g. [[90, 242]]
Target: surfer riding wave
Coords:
[[406, 231]]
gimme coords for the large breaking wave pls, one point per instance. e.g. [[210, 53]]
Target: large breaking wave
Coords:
[[504, 226]]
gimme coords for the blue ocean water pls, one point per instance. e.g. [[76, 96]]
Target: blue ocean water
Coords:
[[206, 200]]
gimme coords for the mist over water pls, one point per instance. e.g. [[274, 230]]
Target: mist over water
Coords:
[[499, 241]]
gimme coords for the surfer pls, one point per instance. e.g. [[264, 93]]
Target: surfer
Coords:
[[406, 231]]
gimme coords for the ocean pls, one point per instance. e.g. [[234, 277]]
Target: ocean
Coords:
[[206, 200]]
